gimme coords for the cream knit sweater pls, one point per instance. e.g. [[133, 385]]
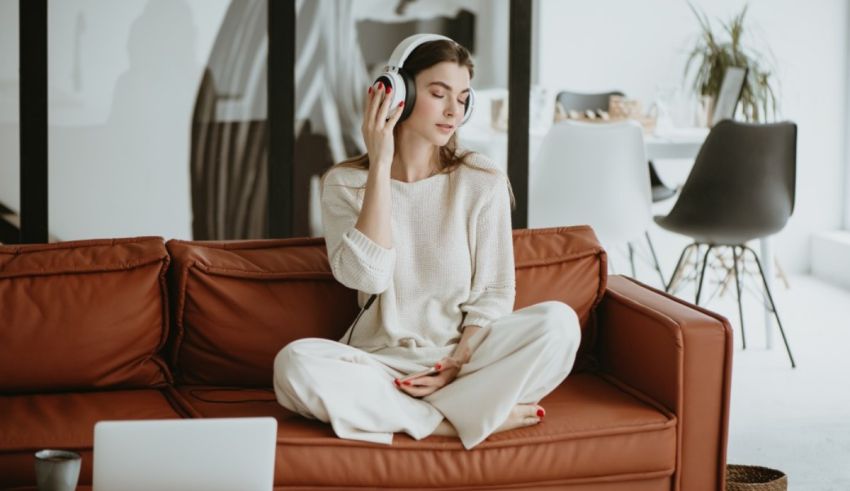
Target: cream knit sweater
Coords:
[[451, 264]]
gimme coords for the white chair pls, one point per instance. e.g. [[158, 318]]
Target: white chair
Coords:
[[595, 174]]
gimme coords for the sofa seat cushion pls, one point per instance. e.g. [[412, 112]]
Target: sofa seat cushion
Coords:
[[593, 432], [31, 422]]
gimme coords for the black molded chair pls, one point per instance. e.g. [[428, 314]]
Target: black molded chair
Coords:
[[741, 188]]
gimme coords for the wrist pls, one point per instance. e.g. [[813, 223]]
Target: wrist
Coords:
[[462, 353], [381, 164]]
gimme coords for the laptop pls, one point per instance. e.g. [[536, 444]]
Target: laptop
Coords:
[[730, 93], [222, 454]]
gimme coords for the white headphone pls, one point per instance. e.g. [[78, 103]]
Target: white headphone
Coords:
[[404, 86]]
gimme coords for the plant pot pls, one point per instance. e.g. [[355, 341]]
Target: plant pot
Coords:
[[754, 478]]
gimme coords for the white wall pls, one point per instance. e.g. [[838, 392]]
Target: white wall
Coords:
[[123, 77], [846, 106], [640, 46]]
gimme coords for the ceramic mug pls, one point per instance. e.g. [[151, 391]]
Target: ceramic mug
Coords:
[[57, 470]]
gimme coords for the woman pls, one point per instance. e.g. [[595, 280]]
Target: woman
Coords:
[[426, 229]]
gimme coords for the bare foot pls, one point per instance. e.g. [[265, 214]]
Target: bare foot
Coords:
[[522, 415]]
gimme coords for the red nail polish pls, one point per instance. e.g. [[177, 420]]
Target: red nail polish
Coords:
[[396, 382], [380, 85], [407, 382], [438, 366], [370, 90], [401, 103], [389, 90], [541, 413]]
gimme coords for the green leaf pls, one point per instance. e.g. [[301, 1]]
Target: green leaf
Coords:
[[712, 54]]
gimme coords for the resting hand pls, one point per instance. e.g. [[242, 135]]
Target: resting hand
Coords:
[[446, 371]]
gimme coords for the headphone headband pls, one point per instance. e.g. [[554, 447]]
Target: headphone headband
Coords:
[[404, 48], [403, 84]]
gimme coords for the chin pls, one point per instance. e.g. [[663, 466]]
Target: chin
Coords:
[[441, 139]]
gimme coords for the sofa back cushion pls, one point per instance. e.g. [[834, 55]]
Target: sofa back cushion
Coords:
[[83, 315], [566, 264], [237, 303]]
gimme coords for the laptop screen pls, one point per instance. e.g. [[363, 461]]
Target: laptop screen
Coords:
[[185, 454]]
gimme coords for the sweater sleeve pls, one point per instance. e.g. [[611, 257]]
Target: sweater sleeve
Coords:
[[493, 278], [356, 260]]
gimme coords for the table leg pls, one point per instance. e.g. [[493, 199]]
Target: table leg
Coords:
[[767, 265]]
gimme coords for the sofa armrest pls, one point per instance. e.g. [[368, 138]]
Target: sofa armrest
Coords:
[[680, 356]]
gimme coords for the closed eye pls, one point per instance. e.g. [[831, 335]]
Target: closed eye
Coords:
[[439, 96]]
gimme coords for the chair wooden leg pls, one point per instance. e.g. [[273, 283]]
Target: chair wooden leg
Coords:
[[728, 273], [772, 305], [683, 276]]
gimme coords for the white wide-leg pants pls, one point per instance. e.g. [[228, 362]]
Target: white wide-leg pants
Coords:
[[521, 358]]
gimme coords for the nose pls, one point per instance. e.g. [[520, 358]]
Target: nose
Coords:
[[453, 107]]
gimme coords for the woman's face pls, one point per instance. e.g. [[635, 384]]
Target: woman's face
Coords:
[[441, 93]]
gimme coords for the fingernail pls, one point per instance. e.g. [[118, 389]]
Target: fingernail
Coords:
[[396, 382], [438, 366], [541, 413], [370, 90], [380, 85], [407, 382], [389, 90], [401, 103]]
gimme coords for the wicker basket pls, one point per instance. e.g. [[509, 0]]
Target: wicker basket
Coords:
[[754, 478]]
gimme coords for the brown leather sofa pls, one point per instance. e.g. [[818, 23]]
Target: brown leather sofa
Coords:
[[138, 329]]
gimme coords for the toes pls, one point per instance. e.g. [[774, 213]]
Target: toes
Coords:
[[531, 410], [528, 414]]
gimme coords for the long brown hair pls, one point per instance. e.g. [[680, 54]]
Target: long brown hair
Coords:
[[423, 57]]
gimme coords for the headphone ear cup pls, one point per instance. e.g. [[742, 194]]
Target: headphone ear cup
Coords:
[[397, 82], [385, 78], [409, 94], [468, 107]]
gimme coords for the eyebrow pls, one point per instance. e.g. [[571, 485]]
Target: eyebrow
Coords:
[[446, 86]]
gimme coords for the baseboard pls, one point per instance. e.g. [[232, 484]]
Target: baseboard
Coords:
[[831, 257]]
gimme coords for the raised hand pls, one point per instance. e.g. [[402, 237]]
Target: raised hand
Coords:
[[378, 123]]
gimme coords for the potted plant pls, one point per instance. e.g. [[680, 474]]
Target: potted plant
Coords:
[[712, 55]]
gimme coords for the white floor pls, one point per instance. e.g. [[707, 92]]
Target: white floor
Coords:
[[794, 420]]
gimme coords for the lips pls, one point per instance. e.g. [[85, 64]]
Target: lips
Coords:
[[445, 127]]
